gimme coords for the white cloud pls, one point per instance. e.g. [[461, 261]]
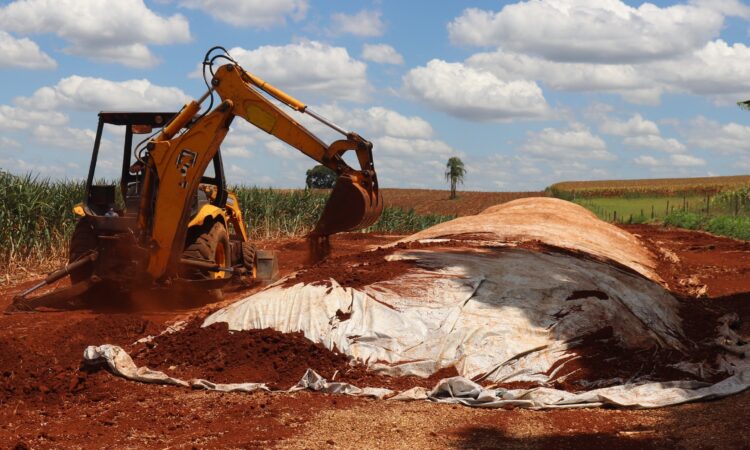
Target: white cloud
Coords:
[[251, 13], [412, 148], [236, 152], [475, 94], [729, 138], [364, 23], [12, 118], [603, 31], [236, 170], [669, 145], [382, 54], [717, 69], [308, 67], [7, 143], [636, 131], [635, 126], [559, 75], [106, 31], [680, 160], [575, 143], [94, 94], [64, 137], [373, 121], [23, 53], [646, 160], [17, 165], [687, 161]]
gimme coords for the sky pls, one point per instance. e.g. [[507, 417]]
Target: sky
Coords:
[[526, 93]]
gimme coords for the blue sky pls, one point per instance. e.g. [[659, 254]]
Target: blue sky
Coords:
[[526, 93]]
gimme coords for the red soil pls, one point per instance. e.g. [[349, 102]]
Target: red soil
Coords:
[[46, 401], [354, 271], [278, 359], [431, 201]]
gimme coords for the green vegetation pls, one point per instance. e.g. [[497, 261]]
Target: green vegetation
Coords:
[[737, 227], [719, 205], [397, 220], [36, 218], [320, 177], [454, 173], [645, 209]]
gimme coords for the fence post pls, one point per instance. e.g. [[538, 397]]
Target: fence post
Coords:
[[667, 212], [615, 217], [736, 204], [652, 212], [708, 204]]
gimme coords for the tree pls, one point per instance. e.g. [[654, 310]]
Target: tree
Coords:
[[320, 177], [454, 173]]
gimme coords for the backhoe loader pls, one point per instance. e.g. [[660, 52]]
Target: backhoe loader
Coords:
[[172, 225]]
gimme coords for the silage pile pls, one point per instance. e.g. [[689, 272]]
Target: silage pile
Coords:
[[536, 294]]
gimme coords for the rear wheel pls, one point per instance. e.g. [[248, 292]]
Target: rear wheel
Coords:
[[82, 243]]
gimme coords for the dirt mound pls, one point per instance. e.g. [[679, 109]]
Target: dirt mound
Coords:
[[268, 356], [553, 222], [353, 271], [36, 369]]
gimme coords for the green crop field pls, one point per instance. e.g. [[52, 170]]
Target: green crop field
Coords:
[[720, 205], [644, 209], [36, 218]]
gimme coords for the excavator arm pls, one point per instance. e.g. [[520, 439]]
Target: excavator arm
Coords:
[[179, 155]]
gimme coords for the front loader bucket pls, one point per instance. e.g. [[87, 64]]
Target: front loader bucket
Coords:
[[351, 206]]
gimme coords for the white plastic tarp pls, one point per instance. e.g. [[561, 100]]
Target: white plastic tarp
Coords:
[[507, 314]]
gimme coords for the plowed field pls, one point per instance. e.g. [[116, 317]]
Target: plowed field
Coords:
[[431, 201]]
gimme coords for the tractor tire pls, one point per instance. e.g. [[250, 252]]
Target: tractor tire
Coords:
[[249, 258], [212, 245], [84, 240]]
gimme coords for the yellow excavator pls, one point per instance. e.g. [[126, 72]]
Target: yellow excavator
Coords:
[[175, 226]]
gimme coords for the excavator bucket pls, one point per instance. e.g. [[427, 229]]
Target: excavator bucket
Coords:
[[353, 205]]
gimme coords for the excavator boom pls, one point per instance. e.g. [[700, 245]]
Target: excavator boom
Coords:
[[180, 154]]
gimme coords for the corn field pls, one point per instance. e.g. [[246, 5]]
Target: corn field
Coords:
[[36, 218], [35, 221]]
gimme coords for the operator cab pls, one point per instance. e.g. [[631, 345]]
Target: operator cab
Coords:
[[102, 199]]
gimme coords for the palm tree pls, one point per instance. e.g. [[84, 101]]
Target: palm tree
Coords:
[[454, 173]]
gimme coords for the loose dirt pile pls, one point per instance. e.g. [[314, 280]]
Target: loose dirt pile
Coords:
[[277, 359]]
